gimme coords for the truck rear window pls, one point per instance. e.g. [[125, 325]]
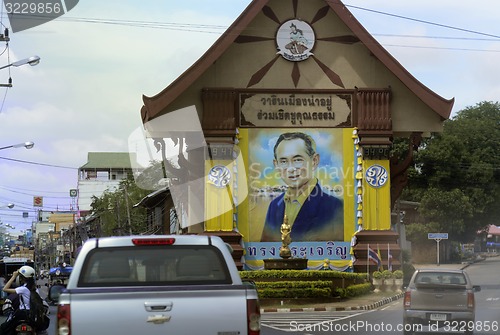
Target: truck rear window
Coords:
[[153, 266], [441, 278]]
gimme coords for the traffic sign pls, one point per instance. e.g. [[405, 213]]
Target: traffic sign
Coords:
[[435, 236]]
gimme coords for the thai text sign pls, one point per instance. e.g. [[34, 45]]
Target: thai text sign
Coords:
[[309, 250], [434, 236], [295, 110]]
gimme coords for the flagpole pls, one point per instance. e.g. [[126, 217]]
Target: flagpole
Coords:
[[389, 264], [379, 254], [368, 261]]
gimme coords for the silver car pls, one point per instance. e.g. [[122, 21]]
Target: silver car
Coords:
[[438, 298]]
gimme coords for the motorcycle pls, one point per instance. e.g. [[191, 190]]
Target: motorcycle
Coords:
[[22, 327]]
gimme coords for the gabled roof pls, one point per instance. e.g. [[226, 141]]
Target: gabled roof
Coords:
[[109, 160], [155, 104]]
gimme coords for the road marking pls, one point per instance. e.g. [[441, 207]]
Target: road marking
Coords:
[[287, 322], [392, 304]]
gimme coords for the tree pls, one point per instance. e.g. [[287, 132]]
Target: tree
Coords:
[[456, 173], [116, 212]]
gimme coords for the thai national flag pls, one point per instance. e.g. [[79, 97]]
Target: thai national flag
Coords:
[[374, 258]]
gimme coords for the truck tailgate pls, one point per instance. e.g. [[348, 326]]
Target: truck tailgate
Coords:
[[201, 310], [439, 298]]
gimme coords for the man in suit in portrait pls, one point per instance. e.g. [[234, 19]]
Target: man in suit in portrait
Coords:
[[312, 214]]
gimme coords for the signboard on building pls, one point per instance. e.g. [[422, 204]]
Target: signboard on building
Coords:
[[37, 201], [276, 109]]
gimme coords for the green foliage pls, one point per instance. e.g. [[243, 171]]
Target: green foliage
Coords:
[[455, 178], [294, 284], [377, 275], [354, 290], [398, 274], [151, 177], [418, 232], [116, 212], [294, 293], [311, 274], [300, 284], [308, 289], [294, 289], [386, 274]]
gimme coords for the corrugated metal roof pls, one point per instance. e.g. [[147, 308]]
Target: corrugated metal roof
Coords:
[[111, 160], [152, 198]]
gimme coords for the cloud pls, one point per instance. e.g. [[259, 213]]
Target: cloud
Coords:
[[86, 93]]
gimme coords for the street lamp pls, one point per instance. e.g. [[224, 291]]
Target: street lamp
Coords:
[[33, 60], [27, 145], [7, 206]]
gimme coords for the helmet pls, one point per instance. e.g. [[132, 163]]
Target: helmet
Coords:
[[27, 271]]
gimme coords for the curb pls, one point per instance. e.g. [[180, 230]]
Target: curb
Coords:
[[371, 306]]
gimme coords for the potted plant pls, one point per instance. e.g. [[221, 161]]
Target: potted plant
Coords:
[[387, 274], [377, 280], [388, 279], [398, 274], [398, 280]]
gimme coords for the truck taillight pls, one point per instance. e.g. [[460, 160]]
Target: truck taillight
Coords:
[[63, 320], [470, 300], [407, 299], [253, 317]]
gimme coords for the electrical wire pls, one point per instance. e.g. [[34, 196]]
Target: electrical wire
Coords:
[[41, 164], [219, 29], [425, 22]]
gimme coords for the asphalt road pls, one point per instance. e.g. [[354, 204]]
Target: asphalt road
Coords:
[[388, 319], [384, 320]]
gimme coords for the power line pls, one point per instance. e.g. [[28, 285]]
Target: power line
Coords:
[[41, 164], [441, 37], [218, 29], [426, 22], [15, 189], [438, 48]]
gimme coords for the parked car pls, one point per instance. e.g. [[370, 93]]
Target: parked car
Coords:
[[440, 298]]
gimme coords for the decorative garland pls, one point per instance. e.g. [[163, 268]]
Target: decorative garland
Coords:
[[358, 191]]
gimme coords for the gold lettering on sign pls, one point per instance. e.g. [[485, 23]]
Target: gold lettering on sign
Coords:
[[295, 110]]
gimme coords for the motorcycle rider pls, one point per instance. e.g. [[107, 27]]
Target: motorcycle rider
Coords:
[[26, 288]]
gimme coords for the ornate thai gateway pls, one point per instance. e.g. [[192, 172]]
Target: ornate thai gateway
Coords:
[[293, 111]]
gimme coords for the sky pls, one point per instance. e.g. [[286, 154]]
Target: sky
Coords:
[[100, 58]]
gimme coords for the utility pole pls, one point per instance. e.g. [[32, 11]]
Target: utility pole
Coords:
[[117, 211], [128, 210]]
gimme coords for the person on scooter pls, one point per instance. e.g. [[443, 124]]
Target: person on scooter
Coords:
[[26, 288]]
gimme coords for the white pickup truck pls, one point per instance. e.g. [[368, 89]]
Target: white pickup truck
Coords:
[[175, 284]]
